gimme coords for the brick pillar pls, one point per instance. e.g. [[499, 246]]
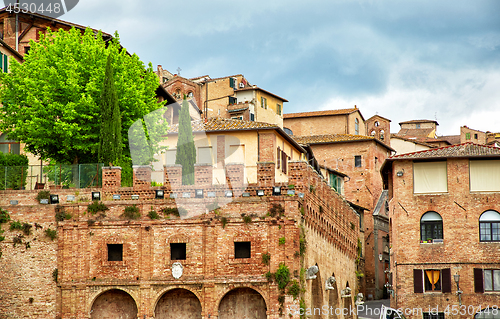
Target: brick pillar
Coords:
[[297, 172], [265, 174], [221, 151], [267, 147], [173, 176], [142, 177], [203, 174], [111, 178], [235, 175]]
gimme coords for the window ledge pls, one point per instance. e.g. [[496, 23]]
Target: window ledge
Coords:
[[441, 242], [240, 260], [430, 194]]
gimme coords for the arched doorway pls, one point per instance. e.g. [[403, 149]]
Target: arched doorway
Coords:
[[178, 304], [114, 304], [333, 300], [317, 295], [244, 303]]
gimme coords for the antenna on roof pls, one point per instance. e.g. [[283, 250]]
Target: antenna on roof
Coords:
[[179, 71]]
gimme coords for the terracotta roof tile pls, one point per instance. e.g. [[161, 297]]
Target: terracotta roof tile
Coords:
[[320, 113], [222, 124], [419, 121], [417, 132], [331, 138], [460, 150]]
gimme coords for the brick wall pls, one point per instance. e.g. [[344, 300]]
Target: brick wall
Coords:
[[461, 250], [210, 270]]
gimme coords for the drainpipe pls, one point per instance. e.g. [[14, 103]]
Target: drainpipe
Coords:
[[17, 30]]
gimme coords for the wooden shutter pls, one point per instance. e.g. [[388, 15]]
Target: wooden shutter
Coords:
[[478, 280], [1, 61], [446, 280], [278, 157], [5, 63], [418, 281]]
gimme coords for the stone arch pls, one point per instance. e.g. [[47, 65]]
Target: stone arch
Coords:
[[113, 303], [178, 303], [242, 302]]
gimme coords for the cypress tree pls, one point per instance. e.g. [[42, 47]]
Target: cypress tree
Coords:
[[110, 138], [186, 151]]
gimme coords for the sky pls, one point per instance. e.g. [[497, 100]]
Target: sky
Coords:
[[403, 60]]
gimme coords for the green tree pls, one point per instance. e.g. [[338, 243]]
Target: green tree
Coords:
[[186, 151], [52, 101], [110, 139]]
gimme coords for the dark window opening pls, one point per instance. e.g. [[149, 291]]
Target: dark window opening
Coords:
[[433, 315], [115, 252], [242, 249], [232, 100], [357, 161], [178, 251], [475, 136], [27, 50]]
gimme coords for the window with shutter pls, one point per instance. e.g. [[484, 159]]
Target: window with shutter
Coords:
[[478, 280], [5, 68], [446, 280], [418, 281], [278, 157]]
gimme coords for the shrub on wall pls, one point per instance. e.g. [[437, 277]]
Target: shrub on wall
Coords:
[[13, 171]]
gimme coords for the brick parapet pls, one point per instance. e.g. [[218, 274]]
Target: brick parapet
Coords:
[[111, 178], [266, 174], [203, 174], [142, 177], [172, 176]]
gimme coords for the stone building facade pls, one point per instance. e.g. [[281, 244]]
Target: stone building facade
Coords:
[[444, 210], [360, 158], [208, 264]]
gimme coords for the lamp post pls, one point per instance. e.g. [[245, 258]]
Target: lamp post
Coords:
[[459, 292]]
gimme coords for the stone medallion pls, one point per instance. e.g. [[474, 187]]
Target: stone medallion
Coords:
[[177, 270]]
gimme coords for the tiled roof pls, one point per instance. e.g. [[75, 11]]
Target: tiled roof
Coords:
[[417, 132], [331, 138], [320, 113], [254, 87], [452, 139], [418, 121], [460, 150], [221, 124]]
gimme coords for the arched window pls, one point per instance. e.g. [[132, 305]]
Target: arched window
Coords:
[[372, 133], [377, 124], [190, 95], [487, 314], [356, 126], [489, 226], [382, 135], [431, 226]]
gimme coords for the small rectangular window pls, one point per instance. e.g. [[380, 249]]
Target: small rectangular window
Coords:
[[278, 109], [232, 100], [252, 117], [433, 315], [178, 251], [115, 252], [242, 249], [417, 125], [467, 136], [432, 280], [26, 50], [232, 82], [357, 161], [475, 136]]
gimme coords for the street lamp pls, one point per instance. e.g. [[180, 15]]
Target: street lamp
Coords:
[[459, 292]]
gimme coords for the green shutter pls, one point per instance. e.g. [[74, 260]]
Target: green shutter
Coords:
[[5, 63], [1, 61], [231, 82]]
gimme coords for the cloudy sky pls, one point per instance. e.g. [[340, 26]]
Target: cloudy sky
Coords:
[[402, 60]]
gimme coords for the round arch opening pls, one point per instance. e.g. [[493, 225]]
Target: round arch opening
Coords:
[[243, 303], [114, 303], [178, 304]]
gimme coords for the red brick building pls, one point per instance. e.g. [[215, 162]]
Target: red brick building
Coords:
[[215, 259], [360, 157], [445, 219]]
